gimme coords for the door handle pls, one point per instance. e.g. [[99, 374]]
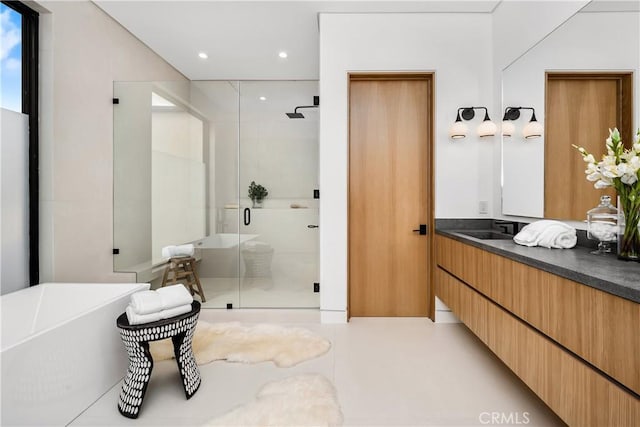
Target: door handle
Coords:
[[422, 230], [247, 216], [312, 226]]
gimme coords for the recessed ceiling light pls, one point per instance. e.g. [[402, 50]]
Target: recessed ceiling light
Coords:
[[203, 55], [283, 54], [263, 98]]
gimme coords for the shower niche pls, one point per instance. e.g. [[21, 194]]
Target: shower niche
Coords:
[[185, 155]]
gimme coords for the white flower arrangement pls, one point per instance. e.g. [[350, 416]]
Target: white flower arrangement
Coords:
[[620, 169]]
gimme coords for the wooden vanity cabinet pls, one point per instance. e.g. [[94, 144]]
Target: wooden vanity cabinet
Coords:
[[576, 347]]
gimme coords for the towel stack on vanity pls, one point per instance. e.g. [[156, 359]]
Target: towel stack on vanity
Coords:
[[151, 306], [547, 233]]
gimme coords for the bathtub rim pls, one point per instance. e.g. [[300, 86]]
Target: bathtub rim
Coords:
[[135, 287]]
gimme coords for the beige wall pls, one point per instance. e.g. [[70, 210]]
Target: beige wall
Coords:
[[83, 51]]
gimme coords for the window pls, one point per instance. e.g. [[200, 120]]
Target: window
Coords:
[[11, 59], [19, 92]]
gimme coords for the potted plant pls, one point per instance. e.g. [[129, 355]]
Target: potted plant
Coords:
[[257, 193]]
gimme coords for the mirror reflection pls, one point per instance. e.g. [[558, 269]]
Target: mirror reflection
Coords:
[[581, 80]]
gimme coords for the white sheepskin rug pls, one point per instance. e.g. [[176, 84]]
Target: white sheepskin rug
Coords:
[[303, 400], [235, 342]]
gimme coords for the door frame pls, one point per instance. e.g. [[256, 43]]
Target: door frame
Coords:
[[429, 76]]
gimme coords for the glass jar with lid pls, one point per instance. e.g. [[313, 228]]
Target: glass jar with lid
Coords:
[[602, 225]]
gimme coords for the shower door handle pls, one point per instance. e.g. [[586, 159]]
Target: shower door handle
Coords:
[[247, 216]]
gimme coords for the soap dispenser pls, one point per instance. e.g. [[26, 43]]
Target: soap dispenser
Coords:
[[602, 225]]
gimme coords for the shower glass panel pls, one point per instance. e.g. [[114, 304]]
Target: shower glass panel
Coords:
[[185, 154], [166, 138], [279, 247], [219, 252]]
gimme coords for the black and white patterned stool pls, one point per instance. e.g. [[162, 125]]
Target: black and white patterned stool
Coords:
[[136, 340]]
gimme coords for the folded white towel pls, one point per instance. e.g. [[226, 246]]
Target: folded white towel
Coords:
[[137, 319], [174, 296], [547, 233], [180, 250], [146, 302]]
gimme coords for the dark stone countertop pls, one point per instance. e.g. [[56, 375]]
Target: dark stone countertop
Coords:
[[604, 272]]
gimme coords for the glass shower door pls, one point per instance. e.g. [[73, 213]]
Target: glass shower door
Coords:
[[219, 264], [278, 155]]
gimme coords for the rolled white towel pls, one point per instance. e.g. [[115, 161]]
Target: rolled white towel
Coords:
[[548, 234], [138, 319], [174, 296], [146, 302], [557, 237], [179, 250]]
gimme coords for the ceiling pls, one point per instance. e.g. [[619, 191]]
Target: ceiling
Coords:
[[243, 38]]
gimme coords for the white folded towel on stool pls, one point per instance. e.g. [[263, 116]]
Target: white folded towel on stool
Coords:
[[179, 250], [148, 302], [547, 233], [137, 319], [174, 296], [145, 302]]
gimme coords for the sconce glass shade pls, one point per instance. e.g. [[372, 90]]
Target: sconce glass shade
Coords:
[[458, 130], [533, 129], [487, 128], [508, 128]]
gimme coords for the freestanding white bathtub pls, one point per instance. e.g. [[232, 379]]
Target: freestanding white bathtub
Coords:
[[61, 349]]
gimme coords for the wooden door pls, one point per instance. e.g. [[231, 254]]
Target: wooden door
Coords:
[[580, 108], [389, 196]]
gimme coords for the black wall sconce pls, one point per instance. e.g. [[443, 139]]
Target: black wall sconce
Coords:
[[533, 129], [459, 129]]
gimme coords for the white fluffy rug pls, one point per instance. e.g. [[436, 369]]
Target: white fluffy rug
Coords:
[[303, 400], [235, 342]]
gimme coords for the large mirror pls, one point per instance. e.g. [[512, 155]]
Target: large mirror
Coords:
[[581, 79]]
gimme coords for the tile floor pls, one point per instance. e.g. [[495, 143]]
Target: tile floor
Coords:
[[387, 372]]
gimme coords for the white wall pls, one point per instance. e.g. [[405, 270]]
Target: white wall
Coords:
[[178, 199], [587, 42], [519, 25], [457, 47], [83, 52], [14, 251]]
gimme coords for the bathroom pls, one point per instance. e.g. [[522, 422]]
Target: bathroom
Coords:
[[479, 47]]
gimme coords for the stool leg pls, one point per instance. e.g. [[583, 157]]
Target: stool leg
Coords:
[[197, 280], [175, 269], [189, 372], [165, 276], [136, 381]]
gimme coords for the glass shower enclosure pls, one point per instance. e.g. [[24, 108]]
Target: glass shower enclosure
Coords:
[[185, 155]]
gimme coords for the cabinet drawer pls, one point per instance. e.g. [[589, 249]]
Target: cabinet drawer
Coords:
[[599, 327], [579, 394]]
